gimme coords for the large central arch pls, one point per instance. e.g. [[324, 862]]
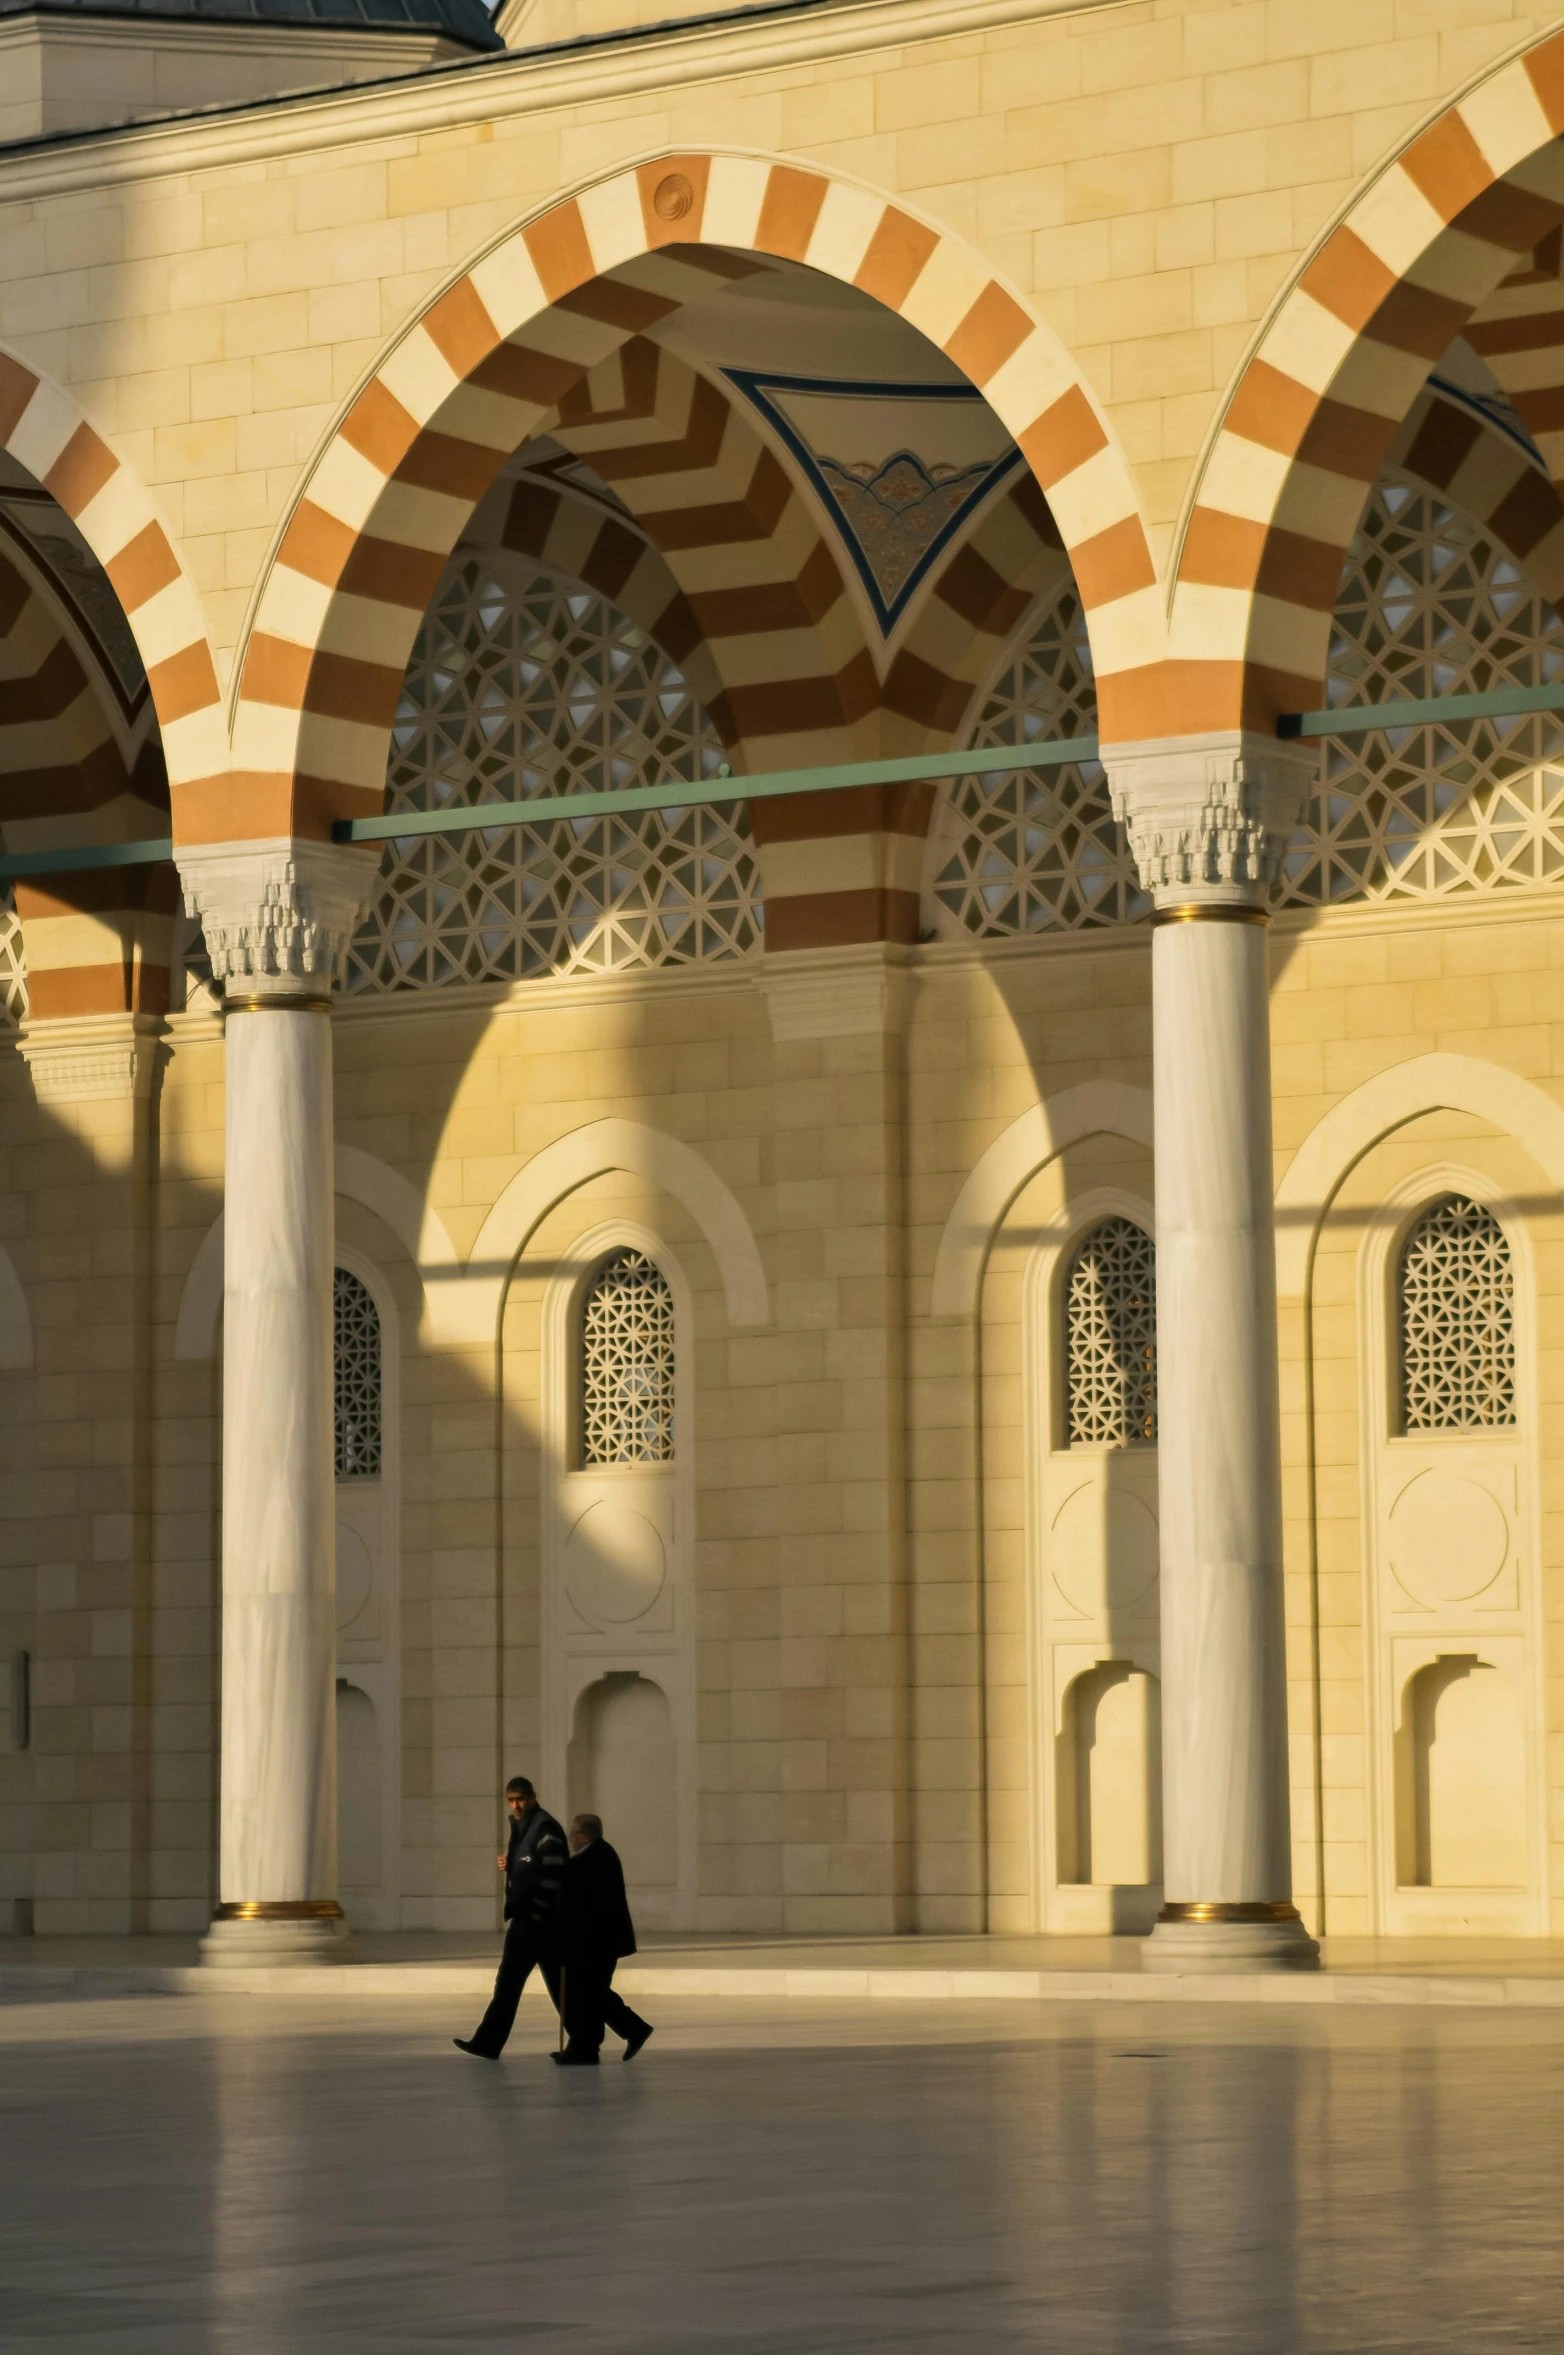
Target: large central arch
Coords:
[[488, 362]]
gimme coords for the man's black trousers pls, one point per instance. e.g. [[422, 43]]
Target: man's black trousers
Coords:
[[591, 2006], [520, 1958]]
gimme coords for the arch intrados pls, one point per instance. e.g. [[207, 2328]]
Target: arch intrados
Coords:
[[463, 386], [1317, 403], [45, 431]]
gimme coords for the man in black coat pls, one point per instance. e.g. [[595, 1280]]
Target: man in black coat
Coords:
[[596, 1932], [534, 1867]]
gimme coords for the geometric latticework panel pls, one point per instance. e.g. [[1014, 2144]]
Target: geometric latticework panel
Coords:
[[627, 1363], [13, 962], [1034, 850], [1110, 1337], [1429, 605], [358, 1385], [524, 685], [1457, 1318]]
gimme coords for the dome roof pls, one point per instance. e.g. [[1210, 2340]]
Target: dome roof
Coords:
[[466, 21]]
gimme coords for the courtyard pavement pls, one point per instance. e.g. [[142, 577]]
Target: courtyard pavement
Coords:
[[267, 2176]]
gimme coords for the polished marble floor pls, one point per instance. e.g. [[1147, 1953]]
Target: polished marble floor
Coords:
[[272, 2177]]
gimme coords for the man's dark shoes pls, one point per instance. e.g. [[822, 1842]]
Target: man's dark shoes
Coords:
[[571, 2059], [465, 2044], [636, 2038]]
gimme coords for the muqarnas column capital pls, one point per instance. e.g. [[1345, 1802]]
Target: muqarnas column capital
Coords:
[[1209, 815], [282, 910]]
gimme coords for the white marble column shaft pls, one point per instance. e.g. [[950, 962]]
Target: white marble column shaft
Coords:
[[1207, 824], [278, 1835], [1224, 1699], [276, 917]]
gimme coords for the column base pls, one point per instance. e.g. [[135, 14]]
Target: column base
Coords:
[[1229, 1937], [309, 1932]]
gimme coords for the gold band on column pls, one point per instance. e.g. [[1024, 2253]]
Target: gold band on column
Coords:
[[1222, 1910], [1215, 911], [280, 1909], [283, 1003]]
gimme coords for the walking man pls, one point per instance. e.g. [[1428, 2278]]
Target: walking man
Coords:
[[534, 1868], [597, 1933]]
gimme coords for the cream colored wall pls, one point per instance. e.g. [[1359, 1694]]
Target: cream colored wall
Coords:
[[844, 1577], [1148, 176]]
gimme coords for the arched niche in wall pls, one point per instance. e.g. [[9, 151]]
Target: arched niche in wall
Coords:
[[617, 1504], [1092, 1566], [1451, 1559], [369, 1672]]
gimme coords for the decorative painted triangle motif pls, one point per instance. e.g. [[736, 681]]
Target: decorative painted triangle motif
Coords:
[[898, 468]]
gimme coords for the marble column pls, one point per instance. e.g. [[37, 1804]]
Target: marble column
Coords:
[[277, 916], [1207, 823]]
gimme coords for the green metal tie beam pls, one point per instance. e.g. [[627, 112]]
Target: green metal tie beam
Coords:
[[1359, 719], [1353, 720], [916, 770]]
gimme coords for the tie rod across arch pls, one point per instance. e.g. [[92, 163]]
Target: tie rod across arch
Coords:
[[838, 777]]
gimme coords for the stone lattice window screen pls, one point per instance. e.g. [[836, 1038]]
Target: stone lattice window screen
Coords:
[[1034, 850], [1457, 1318], [1429, 605], [1110, 1337], [525, 685], [627, 1363], [358, 1379]]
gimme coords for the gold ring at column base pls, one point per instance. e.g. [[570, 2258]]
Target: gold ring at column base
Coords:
[[1221, 1910], [283, 1003], [1202, 911], [281, 1909]]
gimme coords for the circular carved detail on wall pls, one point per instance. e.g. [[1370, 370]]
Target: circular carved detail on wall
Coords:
[[673, 197], [615, 1564], [1105, 1551], [355, 1576], [1449, 1538]]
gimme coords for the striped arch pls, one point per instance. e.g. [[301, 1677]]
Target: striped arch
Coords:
[[43, 430], [1318, 407], [499, 357], [80, 761]]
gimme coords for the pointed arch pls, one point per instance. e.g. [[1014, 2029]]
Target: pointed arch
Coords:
[[494, 356], [42, 428], [1460, 211], [1429, 1083]]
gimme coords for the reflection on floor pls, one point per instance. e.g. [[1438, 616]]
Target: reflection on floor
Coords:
[[287, 2178]]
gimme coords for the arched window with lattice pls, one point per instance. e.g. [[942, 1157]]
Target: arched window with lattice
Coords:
[[1456, 1301], [1110, 1338], [358, 1380], [627, 1363]]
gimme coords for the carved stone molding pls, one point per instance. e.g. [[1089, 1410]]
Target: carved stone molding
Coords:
[[835, 993], [1209, 814], [280, 911], [83, 1058]]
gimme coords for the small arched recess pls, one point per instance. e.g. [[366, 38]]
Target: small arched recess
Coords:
[[1452, 1572], [618, 1602], [1089, 1307]]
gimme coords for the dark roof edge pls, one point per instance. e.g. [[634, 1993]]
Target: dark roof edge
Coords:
[[580, 44], [199, 19]]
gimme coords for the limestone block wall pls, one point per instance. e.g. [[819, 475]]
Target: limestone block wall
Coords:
[[866, 1715], [210, 294]]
